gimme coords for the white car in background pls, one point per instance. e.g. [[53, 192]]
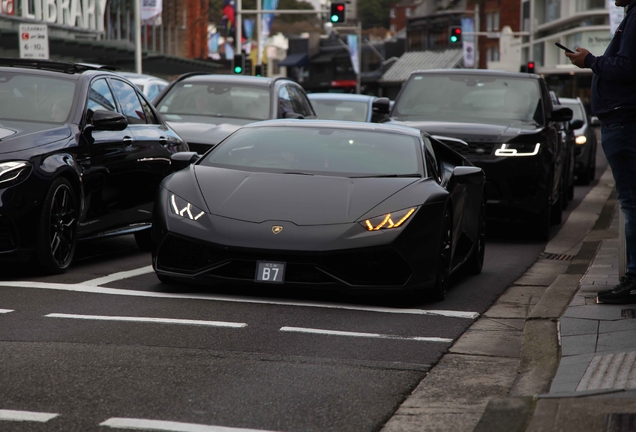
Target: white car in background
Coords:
[[149, 85]]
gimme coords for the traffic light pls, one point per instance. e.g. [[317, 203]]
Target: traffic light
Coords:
[[530, 67], [338, 12], [238, 64], [455, 35], [248, 65], [258, 70]]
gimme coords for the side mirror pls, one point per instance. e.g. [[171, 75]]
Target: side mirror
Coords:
[[468, 174], [182, 160], [381, 105], [594, 121], [109, 121], [293, 115], [561, 114], [577, 124]]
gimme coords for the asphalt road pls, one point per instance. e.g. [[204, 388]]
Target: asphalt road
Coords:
[[102, 345]]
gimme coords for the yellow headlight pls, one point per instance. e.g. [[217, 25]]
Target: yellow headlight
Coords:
[[581, 139], [389, 220]]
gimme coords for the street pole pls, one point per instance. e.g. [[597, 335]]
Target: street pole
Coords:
[[138, 36], [477, 23], [359, 49], [238, 17], [259, 35]]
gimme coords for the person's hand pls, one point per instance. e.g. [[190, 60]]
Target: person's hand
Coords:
[[578, 58]]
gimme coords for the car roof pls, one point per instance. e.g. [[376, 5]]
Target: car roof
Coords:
[[481, 72], [132, 76], [232, 79], [337, 124], [341, 96], [571, 100]]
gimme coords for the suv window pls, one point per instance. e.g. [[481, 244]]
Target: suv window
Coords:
[[299, 102], [129, 102], [470, 98], [285, 103]]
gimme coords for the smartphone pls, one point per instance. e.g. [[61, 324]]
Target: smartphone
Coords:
[[566, 49]]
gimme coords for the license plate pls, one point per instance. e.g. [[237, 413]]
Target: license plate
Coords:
[[270, 272]]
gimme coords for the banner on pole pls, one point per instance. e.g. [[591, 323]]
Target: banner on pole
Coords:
[[352, 41], [151, 12], [468, 42]]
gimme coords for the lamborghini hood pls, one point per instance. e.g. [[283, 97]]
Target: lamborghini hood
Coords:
[[300, 199]]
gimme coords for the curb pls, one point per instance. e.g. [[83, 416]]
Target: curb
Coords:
[[490, 378]]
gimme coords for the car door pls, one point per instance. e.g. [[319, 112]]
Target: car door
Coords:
[[149, 151], [108, 168]]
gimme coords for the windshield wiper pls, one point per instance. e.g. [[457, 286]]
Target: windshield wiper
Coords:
[[387, 176]]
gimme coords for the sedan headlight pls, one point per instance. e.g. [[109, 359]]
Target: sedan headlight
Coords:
[[580, 140], [182, 208], [13, 172], [518, 149], [388, 221]]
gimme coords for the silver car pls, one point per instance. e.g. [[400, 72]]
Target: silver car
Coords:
[[585, 139], [149, 85]]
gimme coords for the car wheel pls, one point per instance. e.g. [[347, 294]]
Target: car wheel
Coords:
[[543, 222], [444, 261], [143, 239], [475, 263], [57, 228]]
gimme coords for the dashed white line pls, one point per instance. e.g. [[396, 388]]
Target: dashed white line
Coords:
[[149, 320], [5, 311], [365, 335], [236, 299], [160, 425], [118, 276], [11, 415]]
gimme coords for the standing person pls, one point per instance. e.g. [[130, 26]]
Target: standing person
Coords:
[[614, 103]]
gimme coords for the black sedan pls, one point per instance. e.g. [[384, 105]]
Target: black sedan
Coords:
[[351, 204], [82, 155], [585, 139], [205, 108]]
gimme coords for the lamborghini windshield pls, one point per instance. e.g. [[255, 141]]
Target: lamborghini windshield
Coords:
[[319, 151], [470, 99]]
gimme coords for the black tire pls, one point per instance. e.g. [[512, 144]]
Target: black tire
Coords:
[[57, 228], [475, 262], [444, 261], [143, 239], [544, 222]]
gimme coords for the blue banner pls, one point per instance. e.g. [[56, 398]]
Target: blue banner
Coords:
[[352, 41]]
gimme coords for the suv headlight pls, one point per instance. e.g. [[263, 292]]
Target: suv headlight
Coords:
[[13, 172], [518, 149], [581, 139], [181, 207], [388, 220]]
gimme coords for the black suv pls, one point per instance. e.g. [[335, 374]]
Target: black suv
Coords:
[[82, 153], [205, 108], [503, 122]]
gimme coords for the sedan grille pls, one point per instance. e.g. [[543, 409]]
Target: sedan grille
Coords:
[[382, 266]]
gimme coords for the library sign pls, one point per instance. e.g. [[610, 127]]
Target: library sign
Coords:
[[83, 14]]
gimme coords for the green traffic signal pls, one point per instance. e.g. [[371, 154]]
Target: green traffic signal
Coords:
[[238, 69], [334, 18], [453, 39]]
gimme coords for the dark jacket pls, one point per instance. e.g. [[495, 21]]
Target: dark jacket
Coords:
[[614, 80]]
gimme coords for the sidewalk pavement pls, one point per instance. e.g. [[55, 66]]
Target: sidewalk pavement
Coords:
[[545, 357]]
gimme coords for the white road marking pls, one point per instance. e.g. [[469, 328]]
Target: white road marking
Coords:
[[131, 423], [11, 415], [367, 335], [118, 276], [237, 299], [6, 310], [149, 320]]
